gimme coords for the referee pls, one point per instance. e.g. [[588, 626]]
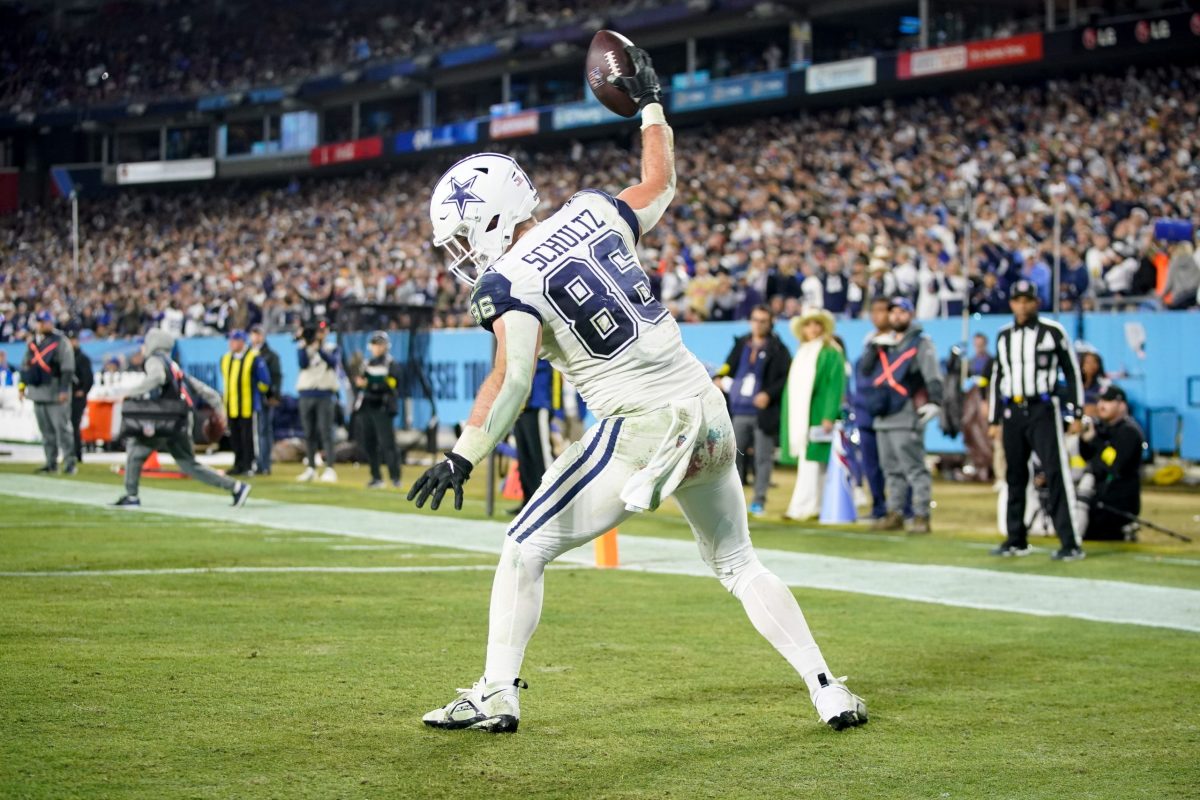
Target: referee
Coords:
[[1026, 412]]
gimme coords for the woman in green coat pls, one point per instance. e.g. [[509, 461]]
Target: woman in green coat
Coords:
[[815, 389]]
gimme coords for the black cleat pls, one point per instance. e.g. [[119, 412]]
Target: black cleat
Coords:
[[1009, 550], [240, 493], [46, 469], [837, 706], [126, 500], [848, 719], [1068, 554]]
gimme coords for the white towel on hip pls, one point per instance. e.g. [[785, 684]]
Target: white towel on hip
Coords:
[[648, 487]]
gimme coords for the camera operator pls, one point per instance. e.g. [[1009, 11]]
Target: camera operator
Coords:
[[317, 386], [1112, 446]]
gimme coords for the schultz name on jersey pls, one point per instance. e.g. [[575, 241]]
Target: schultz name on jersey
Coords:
[[602, 328]]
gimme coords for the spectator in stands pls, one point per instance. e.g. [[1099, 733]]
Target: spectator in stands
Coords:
[[777, 185], [816, 385], [754, 376], [317, 385], [1183, 277]]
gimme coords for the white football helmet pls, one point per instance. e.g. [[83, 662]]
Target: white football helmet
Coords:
[[476, 205]]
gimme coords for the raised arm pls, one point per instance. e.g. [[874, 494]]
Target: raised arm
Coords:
[[650, 198]]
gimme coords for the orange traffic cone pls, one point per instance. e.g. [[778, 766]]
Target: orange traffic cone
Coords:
[[606, 550], [153, 469], [512, 484]]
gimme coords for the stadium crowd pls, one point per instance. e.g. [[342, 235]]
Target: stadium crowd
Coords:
[[819, 210], [138, 51]]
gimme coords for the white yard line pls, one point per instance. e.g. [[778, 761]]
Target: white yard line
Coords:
[[994, 590], [1187, 562], [91, 573]]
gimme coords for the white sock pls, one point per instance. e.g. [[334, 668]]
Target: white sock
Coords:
[[775, 614], [515, 611]]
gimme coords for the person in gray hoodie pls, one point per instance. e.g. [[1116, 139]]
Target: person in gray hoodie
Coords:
[[47, 378], [905, 370], [165, 378]]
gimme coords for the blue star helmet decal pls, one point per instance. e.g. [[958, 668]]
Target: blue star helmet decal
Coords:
[[462, 195]]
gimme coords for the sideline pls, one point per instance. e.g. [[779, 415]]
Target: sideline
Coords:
[[992, 590]]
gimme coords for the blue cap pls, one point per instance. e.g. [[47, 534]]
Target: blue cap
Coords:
[[44, 316], [238, 334], [901, 302]]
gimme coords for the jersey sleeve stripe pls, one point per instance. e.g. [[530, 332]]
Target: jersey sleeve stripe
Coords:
[[630, 218], [511, 306]]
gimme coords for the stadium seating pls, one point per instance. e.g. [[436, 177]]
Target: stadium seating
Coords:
[[762, 206]]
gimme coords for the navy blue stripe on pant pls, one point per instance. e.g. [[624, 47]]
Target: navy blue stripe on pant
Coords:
[[565, 500], [538, 501]]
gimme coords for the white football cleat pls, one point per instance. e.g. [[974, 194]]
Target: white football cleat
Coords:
[[491, 707], [837, 706], [329, 476], [308, 474]]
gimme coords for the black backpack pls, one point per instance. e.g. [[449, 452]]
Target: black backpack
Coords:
[[168, 414]]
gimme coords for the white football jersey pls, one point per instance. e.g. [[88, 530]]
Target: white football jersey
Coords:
[[578, 272]]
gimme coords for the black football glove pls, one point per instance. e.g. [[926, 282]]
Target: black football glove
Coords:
[[449, 474], [643, 85]]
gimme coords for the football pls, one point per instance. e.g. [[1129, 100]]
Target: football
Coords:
[[213, 429], [606, 56]]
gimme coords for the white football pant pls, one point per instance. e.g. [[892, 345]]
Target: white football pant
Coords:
[[579, 499]]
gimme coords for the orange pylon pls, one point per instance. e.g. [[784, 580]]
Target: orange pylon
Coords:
[[606, 550]]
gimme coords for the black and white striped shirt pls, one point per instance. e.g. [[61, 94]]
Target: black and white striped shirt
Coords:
[[1028, 360]]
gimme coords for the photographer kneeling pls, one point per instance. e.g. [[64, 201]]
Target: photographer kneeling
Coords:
[[1110, 491]]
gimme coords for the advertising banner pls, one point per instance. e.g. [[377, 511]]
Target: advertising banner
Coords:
[[1141, 33], [580, 115], [345, 152], [731, 91], [191, 169], [973, 55], [840, 75], [522, 124], [441, 136]]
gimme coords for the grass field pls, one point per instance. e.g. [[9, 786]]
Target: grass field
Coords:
[[311, 684]]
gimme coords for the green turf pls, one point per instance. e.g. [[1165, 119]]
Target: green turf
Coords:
[[964, 526], [311, 685]]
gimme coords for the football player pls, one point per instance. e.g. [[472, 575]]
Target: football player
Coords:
[[570, 287]]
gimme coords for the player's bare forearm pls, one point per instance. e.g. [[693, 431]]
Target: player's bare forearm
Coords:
[[504, 391], [658, 157], [650, 198]]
